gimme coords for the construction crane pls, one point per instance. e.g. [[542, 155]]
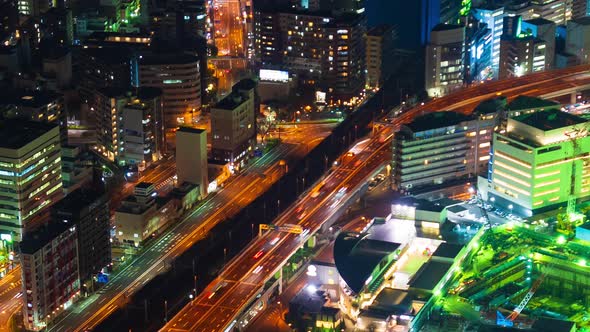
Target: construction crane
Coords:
[[509, 320], [565, 222], [481, 205]]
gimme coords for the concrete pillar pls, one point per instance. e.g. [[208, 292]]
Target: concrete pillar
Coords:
[[281, 281], [573, 97]]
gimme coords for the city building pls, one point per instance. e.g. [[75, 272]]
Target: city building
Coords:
[[143, 127], [521, 52], [39, 105], [179, 77], [324, 50], [577, 40], [191, 157], [30, 174], [88, 210], [58, 25], [441, 147], [379, 51], [233, 124], [445, 56], [142, 215], [129, 125], [180, 21], [50, 278], [57, 67], [478, 53], [580, 8], [544, 30], [539, 163], [76, 170], [493, 17], [412, 20], [521, 56]]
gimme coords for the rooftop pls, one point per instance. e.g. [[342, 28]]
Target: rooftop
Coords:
[[34, 99], [544, 324], [437, 120], [192, 130], [429, 275], [37, 239], [420, 204], [231, 101], [168, 59], [582, 20], [447, 250], [356, 257], [244, 84], [15, 134], [394, 301], [445, 27], [550, 119], [78, 200], [539, 21], [380, 30], [526, 103]]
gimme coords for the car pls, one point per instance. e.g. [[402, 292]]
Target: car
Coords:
[[301, 216], [315, 194], [257, 269], [275, 240], [381, 177], [258, 254]]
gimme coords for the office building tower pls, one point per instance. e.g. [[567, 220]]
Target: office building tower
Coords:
[[180, 21], [233, 124], [556, 11], [268, 44], [179, 77], [129, 125], [445, 54], [412, 20], [544, 30], [34, 7], [38, 105], [478, 53], [8, 19], [76, 171], [379, 54], [58, 24], [580, 8], [577, 40], [57, 67], [30, 162], [493, 17], [143, 128], [521, 53], [540, 162], [441, 147], [191, 157], [97, 68], [88, 210], [50, 279]]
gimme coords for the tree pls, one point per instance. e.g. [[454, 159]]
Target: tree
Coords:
[[266, 121]]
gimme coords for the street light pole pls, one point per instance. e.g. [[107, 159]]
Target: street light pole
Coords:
[[165, 310]]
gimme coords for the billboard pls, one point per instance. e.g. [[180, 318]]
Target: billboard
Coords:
[[274, 75]]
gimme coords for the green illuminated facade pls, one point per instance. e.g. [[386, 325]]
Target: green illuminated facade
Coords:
[[540, 162]]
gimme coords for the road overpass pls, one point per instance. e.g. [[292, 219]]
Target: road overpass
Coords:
[[220, 305]]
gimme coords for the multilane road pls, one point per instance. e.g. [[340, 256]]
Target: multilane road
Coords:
[[219, 305]]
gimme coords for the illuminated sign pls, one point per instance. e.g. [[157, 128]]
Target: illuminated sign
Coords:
[[6, 237], [172, 81], [320, 97], [274, 75]]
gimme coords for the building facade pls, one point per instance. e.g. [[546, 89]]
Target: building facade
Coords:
[[540, 162], [50, 279], [445, 56], [30, 174], [577, 41], [88, 210], [179, 77], [233, 124], [130, 125], [493, 17], [441, 147], [191, 157]]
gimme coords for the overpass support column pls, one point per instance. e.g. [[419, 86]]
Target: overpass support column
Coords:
[[573, 97], [281, 281]]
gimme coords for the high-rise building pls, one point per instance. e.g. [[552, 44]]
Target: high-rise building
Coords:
[[577, 41], [179, 77], [540, 162], [445, 56], [324, 50], [58, 25], [580, 8], [478, 53], [39, 105], [191, 157], [379, 52], [143, 127], [522, 56], [412, 20], [129, 125], [50, 279], [30, 174], [441, 147], [544, 30], [493, 17], [233, 124], [88, 210], [556, 11]]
